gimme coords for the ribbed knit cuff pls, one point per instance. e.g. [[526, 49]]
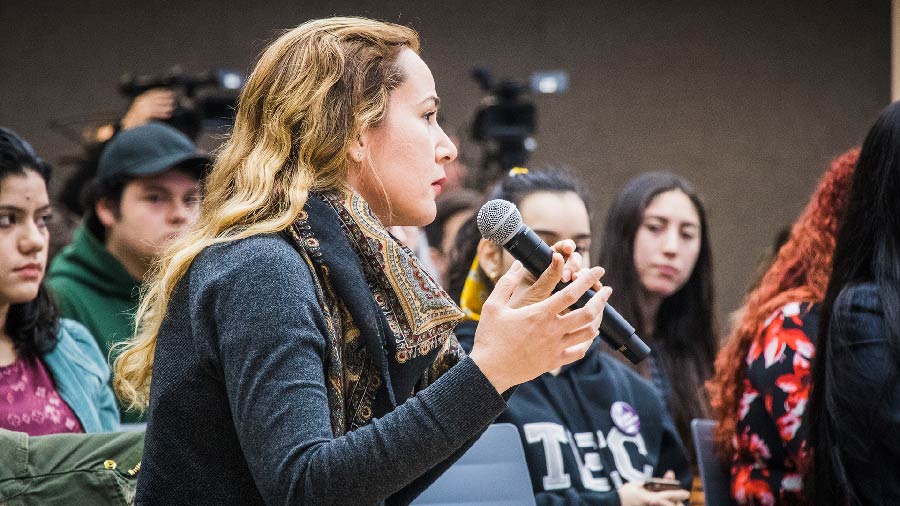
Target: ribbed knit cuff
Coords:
[[463, 401]]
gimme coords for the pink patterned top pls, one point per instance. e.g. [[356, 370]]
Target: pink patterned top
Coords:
[[29, 401]]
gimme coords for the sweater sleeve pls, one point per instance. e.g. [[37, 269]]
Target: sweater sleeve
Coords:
[[271, 346]]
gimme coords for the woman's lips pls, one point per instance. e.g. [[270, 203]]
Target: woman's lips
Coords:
[[667, 271], [438, 186], [29, 271]]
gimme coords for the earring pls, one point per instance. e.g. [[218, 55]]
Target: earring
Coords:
[[493, 275]]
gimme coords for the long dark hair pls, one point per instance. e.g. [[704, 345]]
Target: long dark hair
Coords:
[[867, 250], [31, 325], [684, 329], [513, 188]]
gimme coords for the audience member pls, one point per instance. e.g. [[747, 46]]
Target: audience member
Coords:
[[656, 252], [155, 104], [761, 385], [594, 431], [854, 407], [145, 195], [53, 377]]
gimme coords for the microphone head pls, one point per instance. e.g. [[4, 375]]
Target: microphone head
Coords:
[[498, 221]]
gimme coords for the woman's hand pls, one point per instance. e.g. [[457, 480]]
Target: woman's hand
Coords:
[[516, 344], [564, 267], [634, 494]]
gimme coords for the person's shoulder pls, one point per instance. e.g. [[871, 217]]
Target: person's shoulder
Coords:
[[859, 298], [260, 253], [263, 265], [857, 315], [621, 373], [76, 342]]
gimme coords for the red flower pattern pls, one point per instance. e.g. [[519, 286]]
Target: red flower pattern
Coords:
[[770, 445]]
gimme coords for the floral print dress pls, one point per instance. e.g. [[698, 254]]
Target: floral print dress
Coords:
[[770, 441]]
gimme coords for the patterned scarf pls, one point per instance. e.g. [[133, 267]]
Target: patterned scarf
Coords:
[[390, 325]]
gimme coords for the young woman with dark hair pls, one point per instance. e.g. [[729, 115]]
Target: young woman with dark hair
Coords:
[[594, 431], [656, 252], [854, 408], [761, 385], [53, 377]]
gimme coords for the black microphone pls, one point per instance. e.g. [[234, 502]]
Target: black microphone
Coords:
[[500, 222]]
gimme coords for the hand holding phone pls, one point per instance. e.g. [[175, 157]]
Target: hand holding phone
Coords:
[[660, 484]]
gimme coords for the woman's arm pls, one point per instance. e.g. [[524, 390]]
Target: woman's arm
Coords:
[[271, 347]]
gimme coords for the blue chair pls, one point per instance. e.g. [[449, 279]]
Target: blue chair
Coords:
[[493, 472], [716, 483]]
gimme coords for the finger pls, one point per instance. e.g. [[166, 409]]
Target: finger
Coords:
[[577, 337], [550, 277], [570, 294], [573, 265], [598, 284], [565, 247], [589, 315], [675, 495], [506, 285], [575, 353], [670, 475]]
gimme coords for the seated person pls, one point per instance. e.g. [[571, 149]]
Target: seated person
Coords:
[[761, 387], [146, 194], [594, 431], [53, 377]]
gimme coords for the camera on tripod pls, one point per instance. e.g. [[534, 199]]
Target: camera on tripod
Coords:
[[205, 101], [506, 120]]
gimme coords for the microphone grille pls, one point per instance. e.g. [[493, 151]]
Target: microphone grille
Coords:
[[498, 221]]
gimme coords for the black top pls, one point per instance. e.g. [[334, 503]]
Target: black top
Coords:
[[866, 415], [591, 428], [238, 408]]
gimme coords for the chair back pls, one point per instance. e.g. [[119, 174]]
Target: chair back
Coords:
[[716, 483], [493, 472]]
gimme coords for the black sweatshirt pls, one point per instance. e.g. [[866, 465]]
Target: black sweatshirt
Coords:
[[590, 429]]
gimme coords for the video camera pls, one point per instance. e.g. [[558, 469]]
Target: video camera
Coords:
[[205, 100], [506, 120]]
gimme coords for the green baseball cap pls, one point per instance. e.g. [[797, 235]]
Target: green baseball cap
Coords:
[[150, 149]]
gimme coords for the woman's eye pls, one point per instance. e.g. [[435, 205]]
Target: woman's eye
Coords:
[[43, 220], [7, 220], [429, 115], [654, 227]]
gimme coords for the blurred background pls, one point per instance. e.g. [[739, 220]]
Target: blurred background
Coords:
[[749, 100]]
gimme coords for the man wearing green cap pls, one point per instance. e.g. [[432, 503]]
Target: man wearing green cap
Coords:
[[146, 193]]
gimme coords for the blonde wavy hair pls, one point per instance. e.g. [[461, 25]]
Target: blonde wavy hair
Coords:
[[312, 92]]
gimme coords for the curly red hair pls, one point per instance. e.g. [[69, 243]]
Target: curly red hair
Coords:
[[799, 273]]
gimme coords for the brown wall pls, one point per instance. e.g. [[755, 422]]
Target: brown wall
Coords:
[[747, 99]]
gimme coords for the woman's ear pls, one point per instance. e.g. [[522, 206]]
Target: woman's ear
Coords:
[[490, 258], [357, 151]]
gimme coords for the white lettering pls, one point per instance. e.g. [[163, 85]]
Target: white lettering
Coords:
[[552, 436]]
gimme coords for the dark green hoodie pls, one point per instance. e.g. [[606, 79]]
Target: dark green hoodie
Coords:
[[93, 288]]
